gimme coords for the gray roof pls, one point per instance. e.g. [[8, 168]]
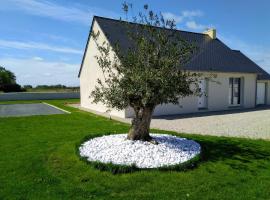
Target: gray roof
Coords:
[[213, 55], [264, 76]]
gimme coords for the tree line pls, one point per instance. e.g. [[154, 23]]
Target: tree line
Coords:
[[8, 81], [8, 84]]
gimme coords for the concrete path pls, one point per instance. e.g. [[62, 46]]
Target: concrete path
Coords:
[[12, 110]]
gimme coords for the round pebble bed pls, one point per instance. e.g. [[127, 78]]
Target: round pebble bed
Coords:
[[116, 149]]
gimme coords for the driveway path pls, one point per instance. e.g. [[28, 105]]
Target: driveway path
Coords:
[[12, 110], [249, 123]]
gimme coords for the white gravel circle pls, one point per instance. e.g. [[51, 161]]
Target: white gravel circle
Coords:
[[116, 149]]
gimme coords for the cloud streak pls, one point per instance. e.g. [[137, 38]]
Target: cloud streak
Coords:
[[186, 14], [44, 8], [187, 17], [192, 13], [38, 46], [170, 16], [195, 26]]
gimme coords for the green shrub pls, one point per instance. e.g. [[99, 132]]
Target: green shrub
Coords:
[[13, 87]]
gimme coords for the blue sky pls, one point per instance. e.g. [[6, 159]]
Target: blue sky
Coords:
[[42, 41]]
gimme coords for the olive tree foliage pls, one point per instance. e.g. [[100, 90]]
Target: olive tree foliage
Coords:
[[150, 72]]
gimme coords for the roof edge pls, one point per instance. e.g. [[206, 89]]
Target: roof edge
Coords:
[[262, 70], [86, 46], [118, 20]]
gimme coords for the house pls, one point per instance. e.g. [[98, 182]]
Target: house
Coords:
[[239, 82]]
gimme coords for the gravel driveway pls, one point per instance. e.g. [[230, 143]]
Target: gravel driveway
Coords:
[[249, 123]]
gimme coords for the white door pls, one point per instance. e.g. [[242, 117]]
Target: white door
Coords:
[[202, 100], [260, 93]]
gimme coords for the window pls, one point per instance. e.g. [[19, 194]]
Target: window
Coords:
[[234, 91]]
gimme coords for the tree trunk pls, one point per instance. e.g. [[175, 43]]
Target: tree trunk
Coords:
[[141, 124]]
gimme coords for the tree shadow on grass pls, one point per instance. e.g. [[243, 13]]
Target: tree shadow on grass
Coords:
[[240, 154]]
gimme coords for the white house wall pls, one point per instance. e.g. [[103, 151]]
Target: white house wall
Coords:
[[89, 75], [218, 90]]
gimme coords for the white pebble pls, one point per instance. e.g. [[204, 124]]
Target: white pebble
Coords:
[[171, 150]]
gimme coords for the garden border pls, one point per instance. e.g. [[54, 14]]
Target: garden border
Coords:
[[121, 169]]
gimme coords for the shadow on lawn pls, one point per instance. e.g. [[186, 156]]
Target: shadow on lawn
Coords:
[[237, 153]]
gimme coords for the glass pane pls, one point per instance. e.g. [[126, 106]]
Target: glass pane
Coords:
[[236, 92], [231, 82], [235, 100], [236, 81]]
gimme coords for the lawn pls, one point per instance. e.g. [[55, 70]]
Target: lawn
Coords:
[[38, 160]]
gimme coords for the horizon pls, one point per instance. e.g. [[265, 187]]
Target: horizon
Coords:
[[43, 41]]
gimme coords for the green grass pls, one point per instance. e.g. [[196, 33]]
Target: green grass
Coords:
[[38, 160]]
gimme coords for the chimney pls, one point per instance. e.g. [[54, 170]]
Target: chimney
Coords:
[[211, 33]]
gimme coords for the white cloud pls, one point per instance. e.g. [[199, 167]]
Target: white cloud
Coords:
[[35, 45], [39, 72], [186, 14], [192, 13], [171, 16], [258, 53], [47, 74], [38, 58], [195, 26], [187, 17]]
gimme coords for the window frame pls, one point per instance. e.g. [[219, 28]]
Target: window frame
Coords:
[[235, 84]]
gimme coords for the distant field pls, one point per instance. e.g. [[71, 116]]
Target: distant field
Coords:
[[53, 90]]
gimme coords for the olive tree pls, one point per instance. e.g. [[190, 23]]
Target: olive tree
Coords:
[[149, 73]]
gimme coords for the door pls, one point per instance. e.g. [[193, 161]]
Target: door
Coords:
[[260, 93], [202, 100]]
